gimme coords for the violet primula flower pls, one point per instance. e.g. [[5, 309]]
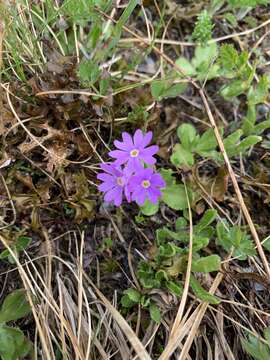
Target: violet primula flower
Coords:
[[115, 181], [134, 151], [146, 184]]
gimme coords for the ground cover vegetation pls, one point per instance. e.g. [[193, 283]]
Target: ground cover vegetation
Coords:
[[134, 179]]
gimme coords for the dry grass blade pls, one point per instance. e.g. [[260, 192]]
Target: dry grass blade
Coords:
[[181, 308], [198, 319], [129, 333]]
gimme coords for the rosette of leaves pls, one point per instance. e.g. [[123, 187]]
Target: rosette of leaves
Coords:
[[13, 344], [235, 67], [192, 144], [170, 256], [134, 297], [234, 238]]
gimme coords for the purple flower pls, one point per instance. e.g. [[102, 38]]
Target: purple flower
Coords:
[[115, 181], [134, 151], [146, 184]]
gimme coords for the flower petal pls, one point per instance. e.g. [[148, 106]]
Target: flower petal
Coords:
[[118, 198], [127, 191], [134, 165], [127, 139], [157, 181], [106, 186], [138, 138], [141, 197], [118, 154], [110, 168], [150, 160], [106, 177], [122, 145], [153, 195], [147, 139], [150, 151], [112, 194]]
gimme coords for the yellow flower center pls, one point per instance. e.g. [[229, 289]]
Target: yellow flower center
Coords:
[[134, 153], [119, 181], [146, 184]]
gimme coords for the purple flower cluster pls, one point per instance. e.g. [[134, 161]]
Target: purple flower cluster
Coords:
[[127, 176]]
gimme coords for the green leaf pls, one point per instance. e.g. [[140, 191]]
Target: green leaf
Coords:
[[259, 128], [267, 335], [175, 197], [206, 264], [155, 313], [180, 224], [207, 142], [174, 90], [13, 344], [231, 141], [167, 175], [256, 348], [133, 294], [88, 72], [208, 217], [23, 242], [149, 209], [247, 3], [205, 54], [266, 244], [249, 120], [168, 250], [4, 254], [229, 237], [161, 275], [175, 288], [187, 134], [14, 307], [185, 66], [201, 293], [181, 156], [204, 58], [199, 242], [127, 302], [248, 142], [164, 89], [228, 60], [258, 94], [233, 89]]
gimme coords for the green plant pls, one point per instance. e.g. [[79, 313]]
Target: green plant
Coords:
[[202, 66], [20, 244], [247, 3], [235, 238], [167, 264], [13, 344], [133, 297], [236, 69], [255, 347], [203, 28], [256, 95], [169, 257], [192, 144]]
